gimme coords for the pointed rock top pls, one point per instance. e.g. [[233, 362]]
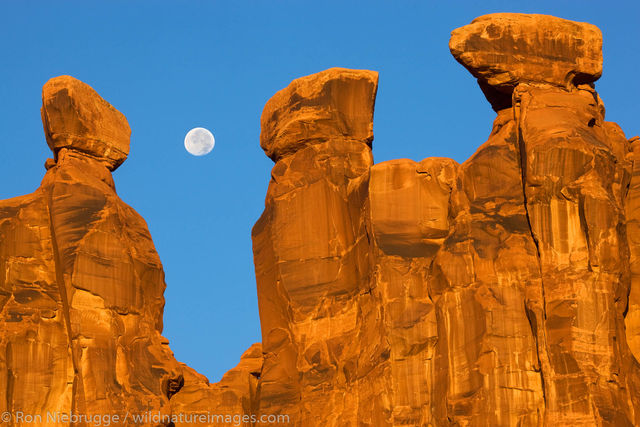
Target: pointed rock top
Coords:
[[337, 102], [76, 117]]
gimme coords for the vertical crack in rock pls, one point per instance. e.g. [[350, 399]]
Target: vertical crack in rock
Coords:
[[627, 190], [632, 216], [538, 331], [402, 293], [77, 395], [585, 229]]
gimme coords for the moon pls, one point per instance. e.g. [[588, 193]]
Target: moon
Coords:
[[199, 141]]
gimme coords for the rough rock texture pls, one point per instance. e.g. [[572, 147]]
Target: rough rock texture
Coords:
[[505, 49], [497, 289], [81, 294], [335, 104], [503, 291], [410, 220], [632, 212], [74, 115], [311, 245], [410, 205]]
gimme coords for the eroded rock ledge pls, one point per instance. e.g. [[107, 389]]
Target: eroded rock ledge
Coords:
[[502, 291]]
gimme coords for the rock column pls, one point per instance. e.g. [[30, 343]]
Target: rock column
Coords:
[[311, 245], [540, 71]]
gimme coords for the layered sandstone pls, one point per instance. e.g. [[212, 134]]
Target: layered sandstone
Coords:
[[75, 116], [503, 291], [311, 246], [497, 289], [504, 50], [409, 220], [82, 285]]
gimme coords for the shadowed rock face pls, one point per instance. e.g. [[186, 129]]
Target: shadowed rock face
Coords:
[[502, 291]]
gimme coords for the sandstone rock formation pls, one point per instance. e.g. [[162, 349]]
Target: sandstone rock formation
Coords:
[[503, 291], [504, 50], [81, 293], [75, 116], [496, 290]]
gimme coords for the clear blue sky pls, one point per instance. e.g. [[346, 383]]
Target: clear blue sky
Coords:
[[172, 66]]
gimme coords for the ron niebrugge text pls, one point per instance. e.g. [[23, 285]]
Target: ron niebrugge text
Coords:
[[104, 420]]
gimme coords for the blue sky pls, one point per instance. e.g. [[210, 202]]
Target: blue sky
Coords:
[[172, 66]]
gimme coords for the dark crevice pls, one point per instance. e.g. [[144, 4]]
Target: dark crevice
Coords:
[[585, 230], [173, 385], [624, 201], [499, 100], [533, 321]]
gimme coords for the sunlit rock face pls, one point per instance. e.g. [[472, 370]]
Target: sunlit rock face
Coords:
[[503, 291], [311, 248], [504, 50], [496, 291], [75, 116], [82, 285]]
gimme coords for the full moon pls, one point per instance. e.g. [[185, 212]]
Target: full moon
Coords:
[[199, 141]]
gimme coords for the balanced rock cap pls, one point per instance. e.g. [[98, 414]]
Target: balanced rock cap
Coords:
[[337, 102], [76, 117], [505, 49]]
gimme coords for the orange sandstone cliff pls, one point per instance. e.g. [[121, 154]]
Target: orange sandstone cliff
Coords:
[[504, 291]]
